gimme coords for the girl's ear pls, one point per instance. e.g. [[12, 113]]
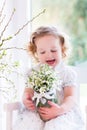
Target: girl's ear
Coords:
[[36, 56]]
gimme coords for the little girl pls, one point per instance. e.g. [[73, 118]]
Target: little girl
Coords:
[[50, 46]]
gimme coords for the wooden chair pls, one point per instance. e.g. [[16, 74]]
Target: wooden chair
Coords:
[[9, 109], [86, 116]]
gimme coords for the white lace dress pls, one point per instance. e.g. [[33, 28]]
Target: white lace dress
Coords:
[[72, 120]]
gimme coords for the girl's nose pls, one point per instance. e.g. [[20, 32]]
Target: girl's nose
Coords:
[[48, 55]]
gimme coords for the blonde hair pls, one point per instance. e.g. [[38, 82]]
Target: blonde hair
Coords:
[[44, 31]]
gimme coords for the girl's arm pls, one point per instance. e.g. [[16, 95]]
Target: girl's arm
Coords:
[[28, 91], [27, 99], [69, 99]]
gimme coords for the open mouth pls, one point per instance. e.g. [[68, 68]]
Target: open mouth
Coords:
[[50, 62]]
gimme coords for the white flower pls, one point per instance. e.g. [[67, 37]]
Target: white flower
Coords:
[[42, 80]]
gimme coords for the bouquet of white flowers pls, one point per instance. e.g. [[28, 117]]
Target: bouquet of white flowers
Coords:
[[44, 81]]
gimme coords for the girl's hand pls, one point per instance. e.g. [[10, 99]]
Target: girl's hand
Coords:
[[27, 100], [51, 112]]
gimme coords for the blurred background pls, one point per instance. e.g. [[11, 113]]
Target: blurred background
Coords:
[[17, 20]]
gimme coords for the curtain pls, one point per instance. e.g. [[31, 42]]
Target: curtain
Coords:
[[14, 15]]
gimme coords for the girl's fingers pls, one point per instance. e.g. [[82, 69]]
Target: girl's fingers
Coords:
[[51, 103]]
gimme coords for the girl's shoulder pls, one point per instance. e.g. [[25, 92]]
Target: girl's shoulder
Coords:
[[70, 76], [70, 69], [66, 71], [64, 68]]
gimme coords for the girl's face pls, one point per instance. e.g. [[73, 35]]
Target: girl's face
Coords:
[[49, 50]]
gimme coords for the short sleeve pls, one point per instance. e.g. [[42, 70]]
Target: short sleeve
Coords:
[[70, 77]]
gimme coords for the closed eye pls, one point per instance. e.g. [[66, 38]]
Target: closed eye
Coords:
[[53, 50], [42, 52]]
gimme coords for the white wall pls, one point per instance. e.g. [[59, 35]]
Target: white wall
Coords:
[[82, 75]]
